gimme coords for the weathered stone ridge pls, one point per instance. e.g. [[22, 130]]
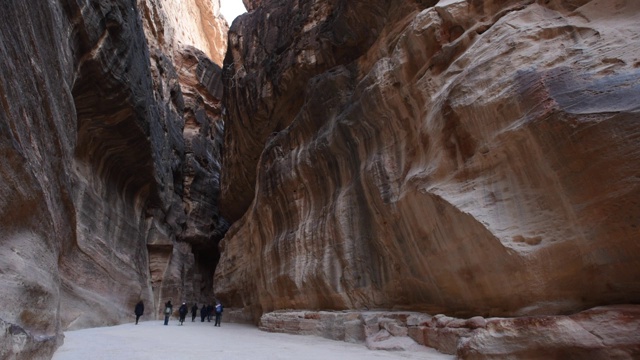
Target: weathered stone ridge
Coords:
[[600, 333], [109, 169], [465, 157]]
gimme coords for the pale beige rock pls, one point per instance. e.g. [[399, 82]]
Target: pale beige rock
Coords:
[[600, 333], [378, 330], [180, 23]]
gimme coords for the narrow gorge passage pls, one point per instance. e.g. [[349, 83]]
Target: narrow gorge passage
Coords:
[[458, 175]]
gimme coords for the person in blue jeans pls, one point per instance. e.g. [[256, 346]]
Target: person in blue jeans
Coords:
[[168, 308], [219, 309]]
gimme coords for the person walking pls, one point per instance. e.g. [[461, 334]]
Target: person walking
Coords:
[[209, 312], [203, 312], [219, 310], [168, 309], [139, 310], [194, 311], [182, 311]]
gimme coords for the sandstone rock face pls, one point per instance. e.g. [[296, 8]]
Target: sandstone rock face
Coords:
[[463, 157], [110, 155], [608, 332], [176, 23], [188, 85], [273, 52]]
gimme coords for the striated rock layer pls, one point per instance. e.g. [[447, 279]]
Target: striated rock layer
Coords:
[[187, 84], [464, 157], [109, 163], [607, 332]]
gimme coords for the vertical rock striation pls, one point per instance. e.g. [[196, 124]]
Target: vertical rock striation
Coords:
[[187, 84], [272, 54], [36, 205], [467, 157], [110, 135]]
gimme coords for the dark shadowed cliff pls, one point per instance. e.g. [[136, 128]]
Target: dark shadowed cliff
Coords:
[[110, 138]]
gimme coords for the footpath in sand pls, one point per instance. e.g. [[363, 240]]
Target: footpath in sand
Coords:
[[196, 340]]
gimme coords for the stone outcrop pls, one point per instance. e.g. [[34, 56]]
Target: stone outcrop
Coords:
[[459, 157], [110, 157], [16, 340], [600, 333]]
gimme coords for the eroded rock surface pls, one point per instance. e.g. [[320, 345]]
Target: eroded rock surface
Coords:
[[172, 24], [110, 159], [464, 157], [460, 157], [187, 84], [608, 332], [600, 333], [273, 52]]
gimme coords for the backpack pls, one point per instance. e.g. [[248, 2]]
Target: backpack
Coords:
[[167, 310]]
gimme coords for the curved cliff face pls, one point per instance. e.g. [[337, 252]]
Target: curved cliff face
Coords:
[[273, 52], [109, 167], [457, 156]]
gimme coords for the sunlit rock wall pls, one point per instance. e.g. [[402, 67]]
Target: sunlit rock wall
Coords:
[[108, 171], [177, 23], [466, 157]]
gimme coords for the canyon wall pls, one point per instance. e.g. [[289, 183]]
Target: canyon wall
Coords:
[[472, 158], [459, 157], [187, 83], [109, 164]]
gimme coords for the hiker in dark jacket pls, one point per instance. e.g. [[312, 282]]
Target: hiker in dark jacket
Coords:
[[194, 311], [183, 310], [168, 309], [203, 312], [209, 312], [219, 309], [139, 310]]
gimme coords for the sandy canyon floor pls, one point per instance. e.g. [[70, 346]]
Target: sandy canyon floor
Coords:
[[197, 340]]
